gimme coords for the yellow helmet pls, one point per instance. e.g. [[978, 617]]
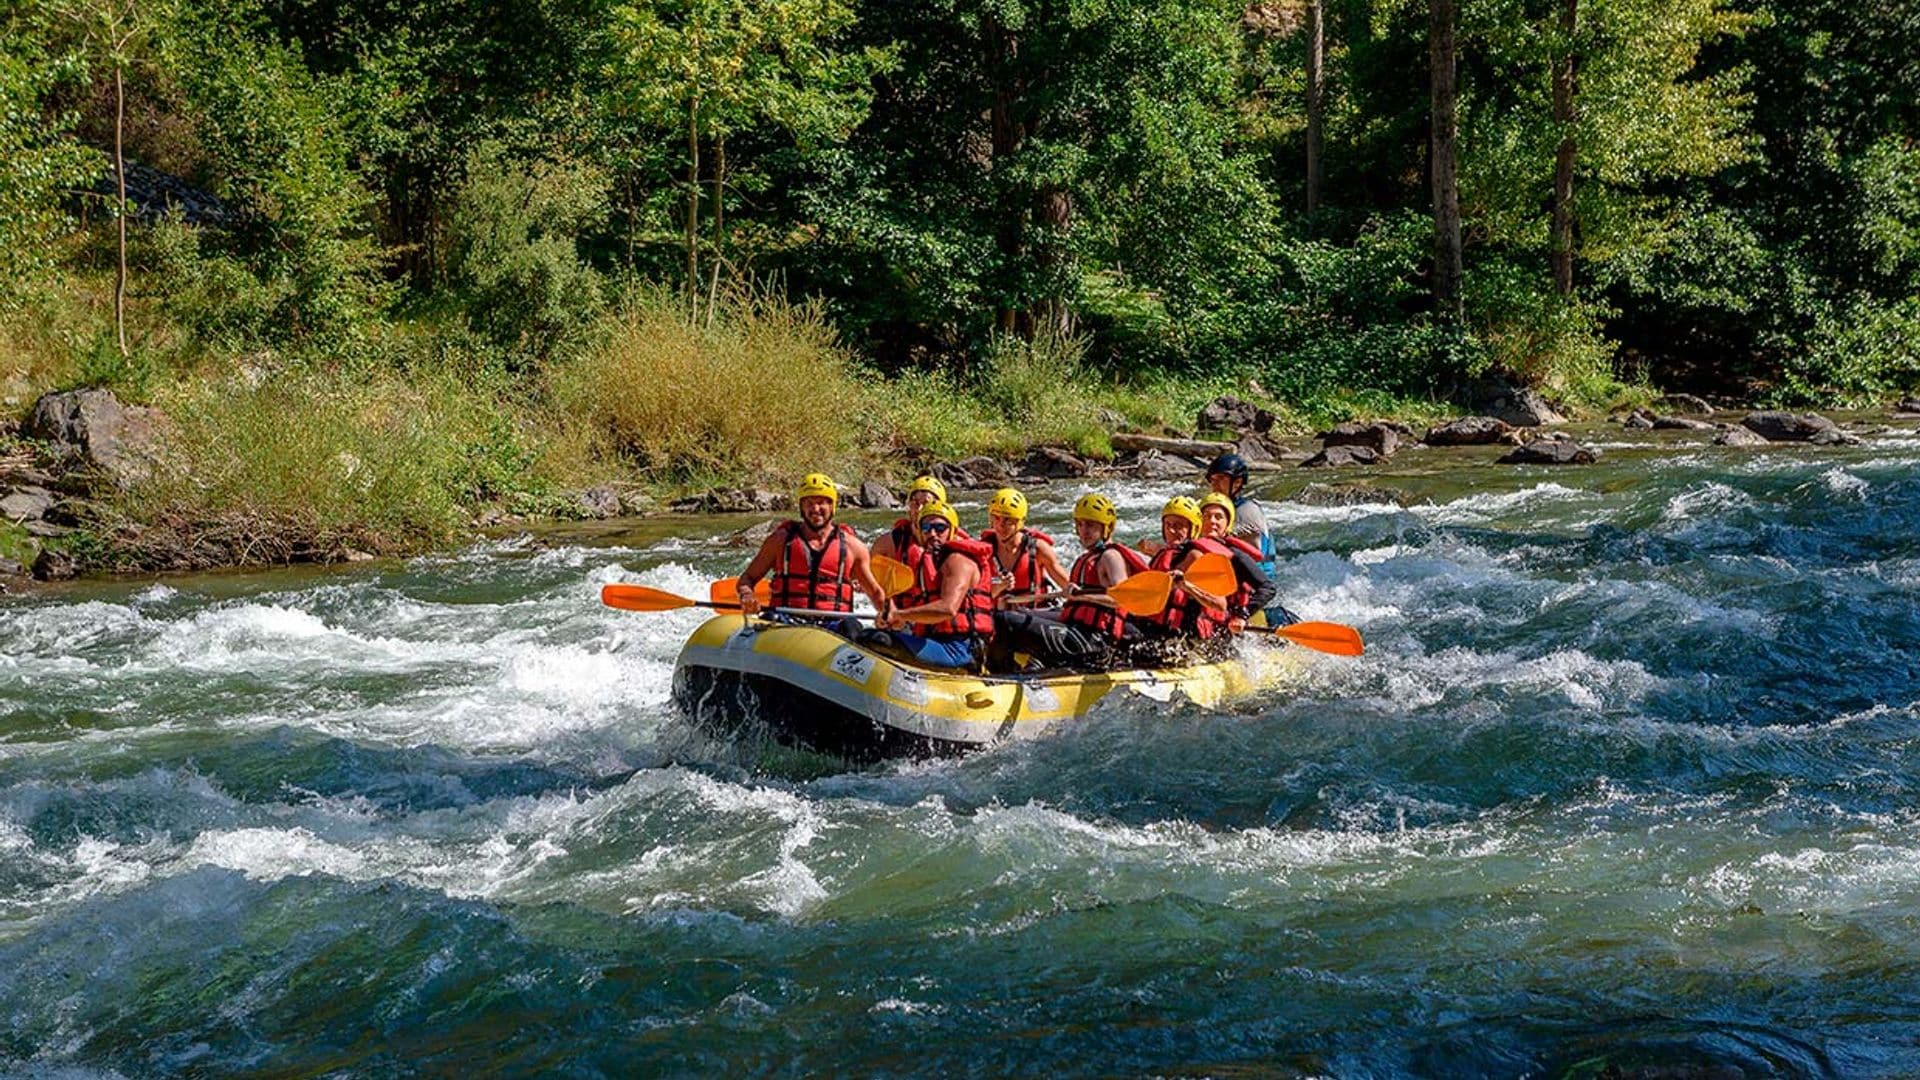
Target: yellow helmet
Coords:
[[939, 510], [815, 485], [1185, 508], [929, 485], [1214, 498], [1096, 508], [1008, 503]]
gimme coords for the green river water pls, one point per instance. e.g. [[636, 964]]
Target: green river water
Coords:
[[1624, 786]]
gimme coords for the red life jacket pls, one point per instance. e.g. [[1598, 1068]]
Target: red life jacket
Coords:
[[1184, 613], [1099, 618], [819, 580], [1244, 594], [1027, 575], [976, 610]]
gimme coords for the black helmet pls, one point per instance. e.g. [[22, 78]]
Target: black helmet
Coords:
[[1230, 465]]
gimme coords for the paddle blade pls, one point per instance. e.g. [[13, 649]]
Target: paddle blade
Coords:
[[895, 577], [641, 598], [1324, 637], [1145, 593], [727, 591], [1213, 574]]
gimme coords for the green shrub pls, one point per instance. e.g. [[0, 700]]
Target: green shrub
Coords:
[[513, 248], [1524, 329], [1866, 350]]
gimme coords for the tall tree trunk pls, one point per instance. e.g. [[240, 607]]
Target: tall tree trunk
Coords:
[[693, 206], [120, 182], [719, 202], [1009, 134], [1316, 98], [1448, 267], [1050, 315], [1565, 72]]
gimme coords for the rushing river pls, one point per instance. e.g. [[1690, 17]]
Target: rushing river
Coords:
[[1626, 784]]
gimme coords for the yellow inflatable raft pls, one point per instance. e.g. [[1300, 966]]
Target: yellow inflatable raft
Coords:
[[812, 688]]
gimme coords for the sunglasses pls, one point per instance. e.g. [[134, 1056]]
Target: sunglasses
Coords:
[[933, 526]]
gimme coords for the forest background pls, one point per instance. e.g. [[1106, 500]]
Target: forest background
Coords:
[[468, 253]]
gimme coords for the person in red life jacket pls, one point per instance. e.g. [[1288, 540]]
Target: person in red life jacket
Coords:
[[952, 578], [1024, 560], [1087, 633], [900, 541], [1256, 590], [816, 562], [1190, 612]]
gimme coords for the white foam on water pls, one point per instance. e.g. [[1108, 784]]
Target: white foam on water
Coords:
[[1483, 508], [58, 631], [1845, 484], [266, 854], [1710, 499]]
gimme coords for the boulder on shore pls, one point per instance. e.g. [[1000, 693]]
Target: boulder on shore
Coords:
[[1735, 435], [1786, 426], [26, 504], [874, 495], [1343, 454], [1685, 403], [1383, 439], [1908, 404], [1154, 465], [972, 473], [1229, 413], [1469, 431], [1055, 463], [1521, 406], [91, 431], [1551, 452]]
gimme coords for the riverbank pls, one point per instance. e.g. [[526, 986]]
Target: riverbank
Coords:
[[92, 485]]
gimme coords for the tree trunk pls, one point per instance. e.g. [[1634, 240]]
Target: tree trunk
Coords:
[[719, 203], [120, 182], [1008, 135], [1448, 266], [1050, 315], [693, 207], [1565, 72], [1316, 98]]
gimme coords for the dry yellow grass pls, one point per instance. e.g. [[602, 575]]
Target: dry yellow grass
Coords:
[[764, 390]]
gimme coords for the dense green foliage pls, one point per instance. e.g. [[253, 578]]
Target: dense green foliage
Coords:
[[971, 199]]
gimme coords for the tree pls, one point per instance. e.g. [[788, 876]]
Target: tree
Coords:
[[715, 67], [40, 162], [1444, 161], [111, 32]]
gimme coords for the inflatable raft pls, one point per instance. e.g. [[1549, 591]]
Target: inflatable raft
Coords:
[[812, 688]]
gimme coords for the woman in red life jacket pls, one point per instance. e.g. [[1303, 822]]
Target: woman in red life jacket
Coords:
[[1190, 611], [1088, 631], [1024, 560], [815, 561], [1255, 590], [901, 541], [953, 572]]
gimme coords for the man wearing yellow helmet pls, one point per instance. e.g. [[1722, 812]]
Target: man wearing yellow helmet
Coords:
[[901, 542], [815, 561], [1086, 633], [1023, 559], [951, 605], [1190, 611], [1255, 589]]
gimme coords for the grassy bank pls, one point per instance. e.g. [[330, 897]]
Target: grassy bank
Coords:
[[402, 438]]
